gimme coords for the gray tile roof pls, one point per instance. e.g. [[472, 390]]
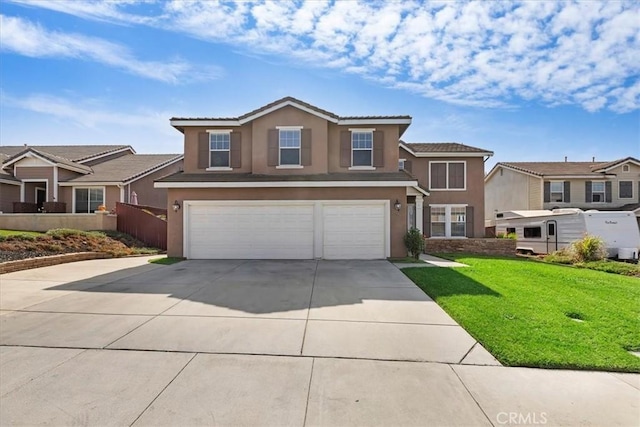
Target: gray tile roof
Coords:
[[443, 147], [51, 157], [126, 168], [76, 153], [249, 177], [297, 101]]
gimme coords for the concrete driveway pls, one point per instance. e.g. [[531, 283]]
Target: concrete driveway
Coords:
[[265, 343]]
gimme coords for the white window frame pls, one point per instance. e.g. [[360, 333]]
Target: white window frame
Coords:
[[551, 192], [219, 132], [626, 168], [447, 162], [603, 192], [280, 147], [447, 223], [620, 193], [401, 164], [362, 167], [73, 196]]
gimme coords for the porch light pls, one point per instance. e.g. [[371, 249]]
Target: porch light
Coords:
[[397, 205], [176, 206]]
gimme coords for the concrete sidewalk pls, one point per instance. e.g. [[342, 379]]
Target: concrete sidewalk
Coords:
[[430, 261], [266, 343]]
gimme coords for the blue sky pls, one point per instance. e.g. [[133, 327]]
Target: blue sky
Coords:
[[529, 81]]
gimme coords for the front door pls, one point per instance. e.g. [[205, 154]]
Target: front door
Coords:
[[41, 197], [552, 236]]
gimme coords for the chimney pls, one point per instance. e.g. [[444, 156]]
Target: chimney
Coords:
[[593, 159], [565, 159]]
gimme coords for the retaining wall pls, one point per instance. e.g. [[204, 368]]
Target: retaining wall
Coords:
[[499, 247]]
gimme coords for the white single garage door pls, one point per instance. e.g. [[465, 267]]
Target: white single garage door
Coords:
[[249, 231], [354, 231], [286, 230]]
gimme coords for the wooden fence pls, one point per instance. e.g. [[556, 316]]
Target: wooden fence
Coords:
[[145, 223]]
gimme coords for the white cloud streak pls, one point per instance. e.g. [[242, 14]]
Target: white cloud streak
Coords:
[[28, 39], [480, 53]]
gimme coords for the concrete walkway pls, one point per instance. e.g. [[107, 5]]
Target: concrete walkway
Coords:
[[430, 261], [265, 343]]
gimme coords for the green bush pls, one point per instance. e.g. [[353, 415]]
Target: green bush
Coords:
[[589, 248], [615, 267], [512, 236], [414, 242], [60, 233]]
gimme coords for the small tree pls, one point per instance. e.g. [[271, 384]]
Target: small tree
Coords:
[[589, 248], [414, 242]]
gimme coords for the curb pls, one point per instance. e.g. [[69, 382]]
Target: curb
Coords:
[[46, 261]]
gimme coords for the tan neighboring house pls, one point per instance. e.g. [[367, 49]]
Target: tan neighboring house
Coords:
[[452, 173], [612, 185], [79, 178], [290, 180]]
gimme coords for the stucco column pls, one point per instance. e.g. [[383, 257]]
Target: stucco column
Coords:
[[419, 214]]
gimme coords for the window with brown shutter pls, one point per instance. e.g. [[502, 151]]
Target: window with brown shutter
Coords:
[[236, 150], [448, 175], [305, 151], [345, 148]]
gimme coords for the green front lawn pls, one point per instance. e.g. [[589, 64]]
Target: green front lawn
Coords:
[[7, 233], [524, 311]]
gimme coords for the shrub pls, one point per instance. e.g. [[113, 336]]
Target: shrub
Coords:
[[60, 233], [414, 242], [589, 248], [512, 236]]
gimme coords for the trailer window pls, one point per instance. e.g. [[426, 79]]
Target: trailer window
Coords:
[[551, 229], [534, 232]]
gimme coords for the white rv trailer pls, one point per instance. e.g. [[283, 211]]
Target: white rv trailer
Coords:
[[544, 231]]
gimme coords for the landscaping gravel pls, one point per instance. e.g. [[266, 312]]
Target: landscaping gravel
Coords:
[[16, 255]]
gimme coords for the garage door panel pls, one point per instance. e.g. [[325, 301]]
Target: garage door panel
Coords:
[[354, 231], [251, 232]]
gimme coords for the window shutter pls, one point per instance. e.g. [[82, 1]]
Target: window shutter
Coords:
[[345, 148], [567, 191], [547, 192], [204, 158], [587, 192], [407, 165], [378, 148], [426, 225], [607, 192], [235, 152], [305, 147], [469, 225], [273, 147]]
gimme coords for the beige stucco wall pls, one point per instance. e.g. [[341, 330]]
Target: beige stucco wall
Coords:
[[147, 194], [472, 196], [45, 222], [40, 173], [8, 194], [398, 220], [64, 195], [289, 116], [509, 190], [578, 193], [325, 144], [391, 140]]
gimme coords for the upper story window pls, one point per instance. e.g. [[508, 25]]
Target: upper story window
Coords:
[[289, 146], [219, 149], [625, 168], [625, 189], [362, 148], [401, 164], [447, 175], [557, 192], [597, 192]]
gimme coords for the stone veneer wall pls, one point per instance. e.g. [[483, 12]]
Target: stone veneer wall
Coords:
[[499, 247], [45, 261]]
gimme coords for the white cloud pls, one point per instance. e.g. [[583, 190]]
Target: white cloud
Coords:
[[26, 38], [479, 53]]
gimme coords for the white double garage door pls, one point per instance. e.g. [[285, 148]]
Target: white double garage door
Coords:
[[330, 229]]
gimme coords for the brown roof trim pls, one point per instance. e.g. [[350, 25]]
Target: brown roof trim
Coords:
[[249, 177]]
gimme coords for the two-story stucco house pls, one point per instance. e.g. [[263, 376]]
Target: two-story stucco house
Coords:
[[290, 180], [613, 185]]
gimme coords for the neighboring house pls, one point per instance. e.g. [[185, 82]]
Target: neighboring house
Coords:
[[79, 178], [613, 185], [290, 180], [452, 173]]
